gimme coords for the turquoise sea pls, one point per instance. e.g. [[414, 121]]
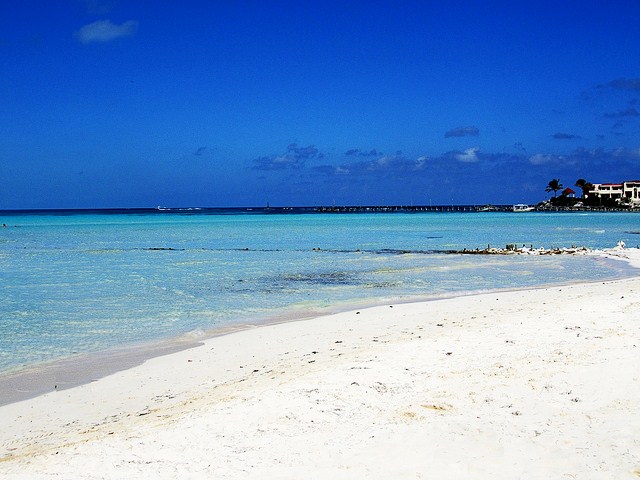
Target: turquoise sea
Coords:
[[81, 282]]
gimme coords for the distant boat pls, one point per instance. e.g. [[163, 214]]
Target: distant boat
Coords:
[[521, 207], [488, 208]]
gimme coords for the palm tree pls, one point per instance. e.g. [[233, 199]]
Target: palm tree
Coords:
[[553, 186], [585, 186]]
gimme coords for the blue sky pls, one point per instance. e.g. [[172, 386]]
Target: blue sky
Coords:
[[114, 103]]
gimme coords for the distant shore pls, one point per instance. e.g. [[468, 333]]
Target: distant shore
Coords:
[[304, 210]]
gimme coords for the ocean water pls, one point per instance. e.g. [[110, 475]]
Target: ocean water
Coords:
[[76, 283]]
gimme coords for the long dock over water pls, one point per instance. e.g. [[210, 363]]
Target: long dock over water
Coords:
[[402, 209], [456, 208], [308, 210]]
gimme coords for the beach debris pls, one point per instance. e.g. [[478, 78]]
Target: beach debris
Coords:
[[380, 387], [439, 408], [512, 249]]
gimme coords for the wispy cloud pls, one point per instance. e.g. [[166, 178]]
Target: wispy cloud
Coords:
[[200, 151], [462, 132], [622, 152], [545, 159], [295, 157], [333, 170], [594, 157], [520, 147], [632, 84], [354, 170], [304, 152], [565, 136], [629, 112], [385, 166], [105, 31], [470, 155], [356, 152]]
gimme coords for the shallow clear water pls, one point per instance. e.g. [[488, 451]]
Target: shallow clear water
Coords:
[[86, 282]]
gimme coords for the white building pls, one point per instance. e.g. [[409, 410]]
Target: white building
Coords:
[[631, 191], [628, 191], [607, 190]]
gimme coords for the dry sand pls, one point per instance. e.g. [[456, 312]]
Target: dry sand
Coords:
[[536, 384]]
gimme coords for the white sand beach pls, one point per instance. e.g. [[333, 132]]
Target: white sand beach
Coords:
[[535, 384]]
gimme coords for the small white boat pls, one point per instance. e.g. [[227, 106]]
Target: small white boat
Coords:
[[521, 207], [487, 208]]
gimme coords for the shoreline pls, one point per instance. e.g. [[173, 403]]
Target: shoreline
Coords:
[[32, 381], [537, 382]]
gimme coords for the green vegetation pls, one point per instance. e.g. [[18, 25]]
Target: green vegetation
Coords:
[[553, 186], [585, 186]]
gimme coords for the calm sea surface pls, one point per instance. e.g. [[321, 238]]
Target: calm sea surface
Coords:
[[86, 282]]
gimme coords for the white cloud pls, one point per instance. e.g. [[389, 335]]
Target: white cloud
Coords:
[[383, 161], [284, 160], [540, 159], [469, 155], [626, 152], [105, 31], [463, 132], [544, 159], [421, 162]]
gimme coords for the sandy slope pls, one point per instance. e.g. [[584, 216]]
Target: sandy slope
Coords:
[[534, 384]]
